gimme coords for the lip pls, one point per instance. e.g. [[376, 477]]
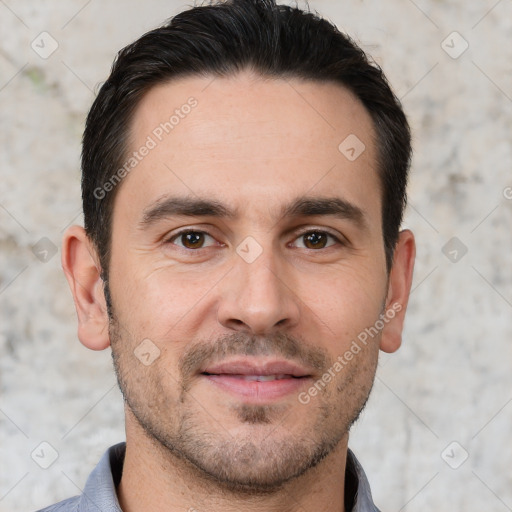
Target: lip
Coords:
[[252, 366], [237, 377]]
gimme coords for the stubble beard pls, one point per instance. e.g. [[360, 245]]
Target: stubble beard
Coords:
[[265, 456]]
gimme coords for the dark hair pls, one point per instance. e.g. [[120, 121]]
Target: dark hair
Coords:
[[222, 39]]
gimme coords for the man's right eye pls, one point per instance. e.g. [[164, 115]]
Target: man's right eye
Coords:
[[190, 239]]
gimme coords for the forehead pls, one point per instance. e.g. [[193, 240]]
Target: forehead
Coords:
[[244, 138]]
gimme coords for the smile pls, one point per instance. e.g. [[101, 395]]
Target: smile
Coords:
[[255, 381], [263, 378]]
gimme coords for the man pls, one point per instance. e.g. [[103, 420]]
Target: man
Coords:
[[244, 172]]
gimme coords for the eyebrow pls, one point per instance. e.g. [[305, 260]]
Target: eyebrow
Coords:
[[306, 206], [187, 206], [303, 206]]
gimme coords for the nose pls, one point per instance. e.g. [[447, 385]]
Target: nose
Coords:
[[258, 297]]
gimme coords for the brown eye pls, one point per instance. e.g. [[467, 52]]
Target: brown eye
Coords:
[[190, 239], [315, 240]]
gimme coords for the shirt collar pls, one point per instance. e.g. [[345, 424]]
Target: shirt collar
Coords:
[[99, 493], [357, 485]]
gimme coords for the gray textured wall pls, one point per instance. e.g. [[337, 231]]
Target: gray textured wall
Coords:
[[451, 380]]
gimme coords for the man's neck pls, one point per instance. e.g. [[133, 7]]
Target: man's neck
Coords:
[[153, 479]]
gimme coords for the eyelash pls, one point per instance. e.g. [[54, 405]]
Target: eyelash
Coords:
[[301, 234]]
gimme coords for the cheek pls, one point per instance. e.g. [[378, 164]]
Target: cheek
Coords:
[[162, 303], [348, 303]]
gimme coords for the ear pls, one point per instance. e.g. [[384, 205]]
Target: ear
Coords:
[[399, 287], [81, 266]]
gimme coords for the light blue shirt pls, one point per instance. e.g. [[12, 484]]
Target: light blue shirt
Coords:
[[99, 494]]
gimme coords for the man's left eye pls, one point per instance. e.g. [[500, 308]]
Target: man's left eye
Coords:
[[316, 240]]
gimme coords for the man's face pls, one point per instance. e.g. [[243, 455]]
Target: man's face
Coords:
[[221, 322]]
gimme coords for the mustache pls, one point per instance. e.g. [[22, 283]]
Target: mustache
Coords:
[[201, 354]]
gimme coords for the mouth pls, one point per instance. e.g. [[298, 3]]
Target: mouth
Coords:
[[256, 378], [258, 381]]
